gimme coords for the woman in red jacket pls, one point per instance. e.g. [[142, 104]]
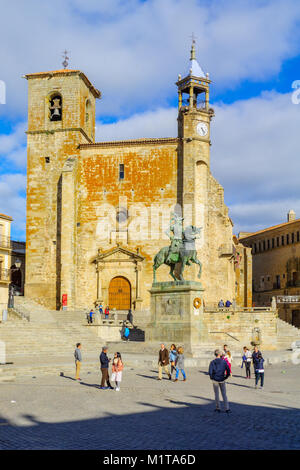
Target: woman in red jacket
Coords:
[[106, 312]]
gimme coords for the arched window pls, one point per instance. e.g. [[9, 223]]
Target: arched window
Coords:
[[55, 107]]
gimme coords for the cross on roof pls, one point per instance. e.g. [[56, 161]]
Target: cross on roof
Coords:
[[193, 38], [66, 59]]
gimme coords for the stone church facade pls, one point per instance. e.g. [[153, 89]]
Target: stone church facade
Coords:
[[97, 212]]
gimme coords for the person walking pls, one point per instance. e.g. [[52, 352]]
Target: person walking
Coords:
[[91, 315], [104, 364], [228, 359], [78, 360], [259, 370], [172, 358], [219, 371], [106, 312], [255, 354], [180, 364], [221, 303], [247, 359], [163, 362], [117, 368], [130, 317]]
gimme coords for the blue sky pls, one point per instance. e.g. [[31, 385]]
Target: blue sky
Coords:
[[133, 51]]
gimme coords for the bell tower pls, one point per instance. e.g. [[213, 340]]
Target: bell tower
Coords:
[[61, 116], [194, 116]]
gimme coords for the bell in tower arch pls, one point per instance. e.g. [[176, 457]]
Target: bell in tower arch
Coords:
[[56, 108]]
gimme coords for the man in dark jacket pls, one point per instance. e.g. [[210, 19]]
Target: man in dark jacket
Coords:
[[255, 355], [104, 364], [163, 362], [219, 371]]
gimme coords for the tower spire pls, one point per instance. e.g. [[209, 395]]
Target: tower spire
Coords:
[[193, 51]]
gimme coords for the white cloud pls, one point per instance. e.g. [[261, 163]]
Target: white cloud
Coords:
[[134, 50], [158, 123]]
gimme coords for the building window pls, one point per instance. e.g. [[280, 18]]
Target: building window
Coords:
[[268, 244], [288, 239], [259, 246], [273, 242], [282, 240], [264, 245], [298, 236], [47, 159], [277, 241], [121, 171], [278, 281], [293, 238]]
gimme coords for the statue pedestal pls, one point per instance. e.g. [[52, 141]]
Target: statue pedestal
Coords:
[[176, 314]]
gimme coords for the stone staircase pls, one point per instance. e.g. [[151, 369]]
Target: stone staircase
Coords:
[[286, 334], [46, 343]]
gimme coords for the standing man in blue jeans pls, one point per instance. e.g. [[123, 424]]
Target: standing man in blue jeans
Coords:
[[219, 372]]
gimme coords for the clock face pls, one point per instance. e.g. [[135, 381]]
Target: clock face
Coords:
[[202, 128]]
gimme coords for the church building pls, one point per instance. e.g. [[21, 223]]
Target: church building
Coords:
[[98, 212]]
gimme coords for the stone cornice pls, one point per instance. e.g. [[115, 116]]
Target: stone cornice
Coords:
[[68, 129], [118, 143]]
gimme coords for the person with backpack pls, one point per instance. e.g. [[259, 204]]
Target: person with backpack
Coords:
[[259, 371], [180, 364], [117, 369], [219, 372]]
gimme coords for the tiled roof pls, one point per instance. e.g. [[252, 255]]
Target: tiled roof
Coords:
[[274, 227], [94, 90], [162, 140], [5, 216]]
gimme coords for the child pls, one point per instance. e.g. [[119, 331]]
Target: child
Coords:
[[180, 364], [229, 360], [172, 358], [117, 368], [259, 370]]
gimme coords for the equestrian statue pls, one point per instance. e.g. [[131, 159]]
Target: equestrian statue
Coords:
[[182, 249]]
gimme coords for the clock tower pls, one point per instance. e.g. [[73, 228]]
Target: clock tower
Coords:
[[194, 116]]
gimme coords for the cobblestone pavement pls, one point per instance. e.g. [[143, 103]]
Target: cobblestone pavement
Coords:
[[54, 412]]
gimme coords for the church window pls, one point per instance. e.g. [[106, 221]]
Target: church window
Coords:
[[121, 171], [55, 108]]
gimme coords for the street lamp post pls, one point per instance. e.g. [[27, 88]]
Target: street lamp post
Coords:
[[11, 289]]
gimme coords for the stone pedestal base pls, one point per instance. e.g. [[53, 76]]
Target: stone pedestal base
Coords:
[[174, 316]]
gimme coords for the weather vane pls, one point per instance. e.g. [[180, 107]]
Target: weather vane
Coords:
[[66, 59], [193, 38]]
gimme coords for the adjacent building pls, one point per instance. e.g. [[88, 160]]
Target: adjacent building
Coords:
[[5, 258], [276, 267]]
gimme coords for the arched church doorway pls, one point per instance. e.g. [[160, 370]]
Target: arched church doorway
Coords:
[[119, 293]]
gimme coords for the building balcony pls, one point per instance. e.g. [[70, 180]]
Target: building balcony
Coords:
[[226, 250], [5, 276], [5, 242]]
